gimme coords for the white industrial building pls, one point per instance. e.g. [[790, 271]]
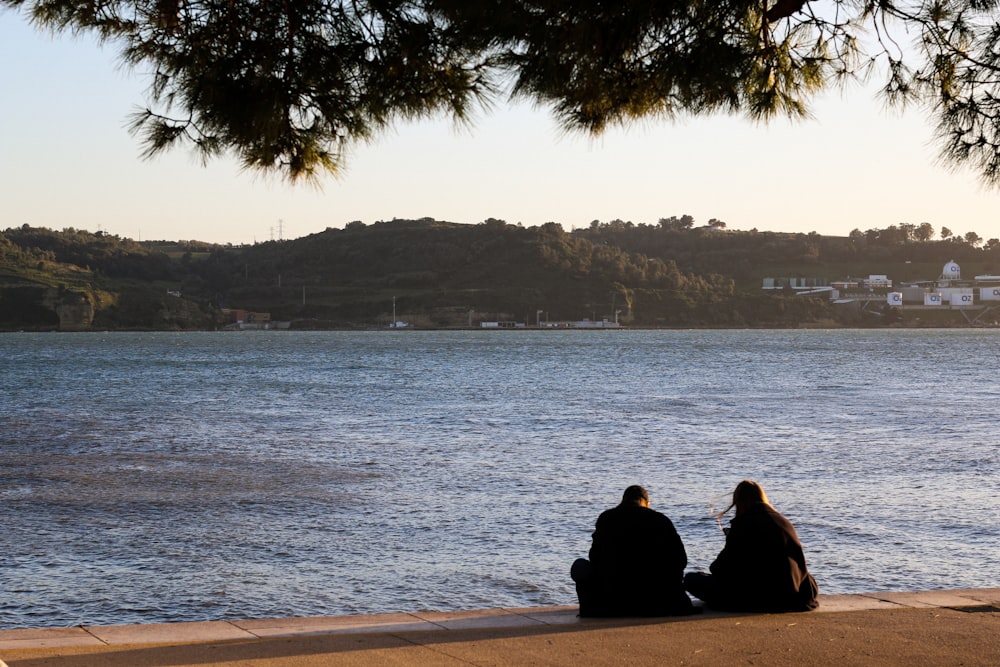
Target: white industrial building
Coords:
[[948, 290]]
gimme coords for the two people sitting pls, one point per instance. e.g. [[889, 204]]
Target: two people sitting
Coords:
[[637, 561]]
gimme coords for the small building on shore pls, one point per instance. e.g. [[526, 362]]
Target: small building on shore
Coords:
[[238, 319]]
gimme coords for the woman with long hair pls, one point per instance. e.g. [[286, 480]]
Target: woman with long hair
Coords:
[[762, 567]]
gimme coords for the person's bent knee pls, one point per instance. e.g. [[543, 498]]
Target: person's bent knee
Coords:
[[582, 570], [700, 585]]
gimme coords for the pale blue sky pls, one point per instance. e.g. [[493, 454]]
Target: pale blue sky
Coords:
[[67, 161]]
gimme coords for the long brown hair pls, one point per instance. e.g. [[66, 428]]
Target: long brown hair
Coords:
[[747, 494]]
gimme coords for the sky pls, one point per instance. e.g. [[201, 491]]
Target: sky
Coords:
[[66, 160]]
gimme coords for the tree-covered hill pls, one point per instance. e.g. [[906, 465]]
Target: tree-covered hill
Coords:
[[907, 252], [444, 274], [439, 271], [77, 280]]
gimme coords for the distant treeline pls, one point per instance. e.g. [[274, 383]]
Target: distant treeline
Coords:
[[745, 256], [671, 273]]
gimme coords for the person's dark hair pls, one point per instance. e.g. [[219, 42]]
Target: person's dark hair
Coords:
[[634, 495]]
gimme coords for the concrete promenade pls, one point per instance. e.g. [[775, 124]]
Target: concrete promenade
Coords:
[[958, 627]]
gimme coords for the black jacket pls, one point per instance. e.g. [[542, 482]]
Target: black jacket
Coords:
[[762, 567], [639, 562]]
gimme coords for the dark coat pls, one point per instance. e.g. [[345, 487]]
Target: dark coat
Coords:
[[638, 561], [762, 567]]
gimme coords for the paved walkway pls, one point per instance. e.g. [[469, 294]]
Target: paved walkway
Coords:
[[959, 627]]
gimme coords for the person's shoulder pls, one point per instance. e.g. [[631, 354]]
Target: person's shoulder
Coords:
[[770, 516], [775, 514], [609, 514], [655, 515]]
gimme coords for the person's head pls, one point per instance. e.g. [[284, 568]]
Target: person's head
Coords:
[[635, 495], [748, 494]]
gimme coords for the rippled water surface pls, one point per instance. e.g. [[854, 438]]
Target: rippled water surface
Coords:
[[188, 476]]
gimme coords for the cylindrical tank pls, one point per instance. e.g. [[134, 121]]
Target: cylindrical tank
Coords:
[[932, 299], [962, 297], [894, 298], [951, 271], [989, 293]]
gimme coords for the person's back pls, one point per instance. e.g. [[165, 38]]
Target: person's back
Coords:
[[636, 564], [762, 566]]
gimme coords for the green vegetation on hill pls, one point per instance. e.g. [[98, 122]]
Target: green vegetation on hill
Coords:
[[76, 280], [443, 274]]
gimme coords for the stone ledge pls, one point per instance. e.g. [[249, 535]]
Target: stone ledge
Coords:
[[252, 629]]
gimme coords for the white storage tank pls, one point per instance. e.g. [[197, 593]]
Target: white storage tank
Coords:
[[951, 271], [989, 293], [894, 298], [932, 299]]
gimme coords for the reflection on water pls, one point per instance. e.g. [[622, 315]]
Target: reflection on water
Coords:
[[152, 477]]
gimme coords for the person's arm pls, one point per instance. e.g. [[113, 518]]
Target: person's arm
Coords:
[[597, 546], [733, 554], [676, 553]]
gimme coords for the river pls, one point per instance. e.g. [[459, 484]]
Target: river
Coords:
[[150, 477]]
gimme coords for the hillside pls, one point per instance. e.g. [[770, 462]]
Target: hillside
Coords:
[[442, 274]]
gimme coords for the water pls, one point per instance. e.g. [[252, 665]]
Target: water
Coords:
[[150, 477]]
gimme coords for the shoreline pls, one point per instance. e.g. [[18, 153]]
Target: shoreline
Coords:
[[920, 627], [804, 326]]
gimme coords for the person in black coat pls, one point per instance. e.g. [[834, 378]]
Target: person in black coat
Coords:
[[636, 564], [762, 567]]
